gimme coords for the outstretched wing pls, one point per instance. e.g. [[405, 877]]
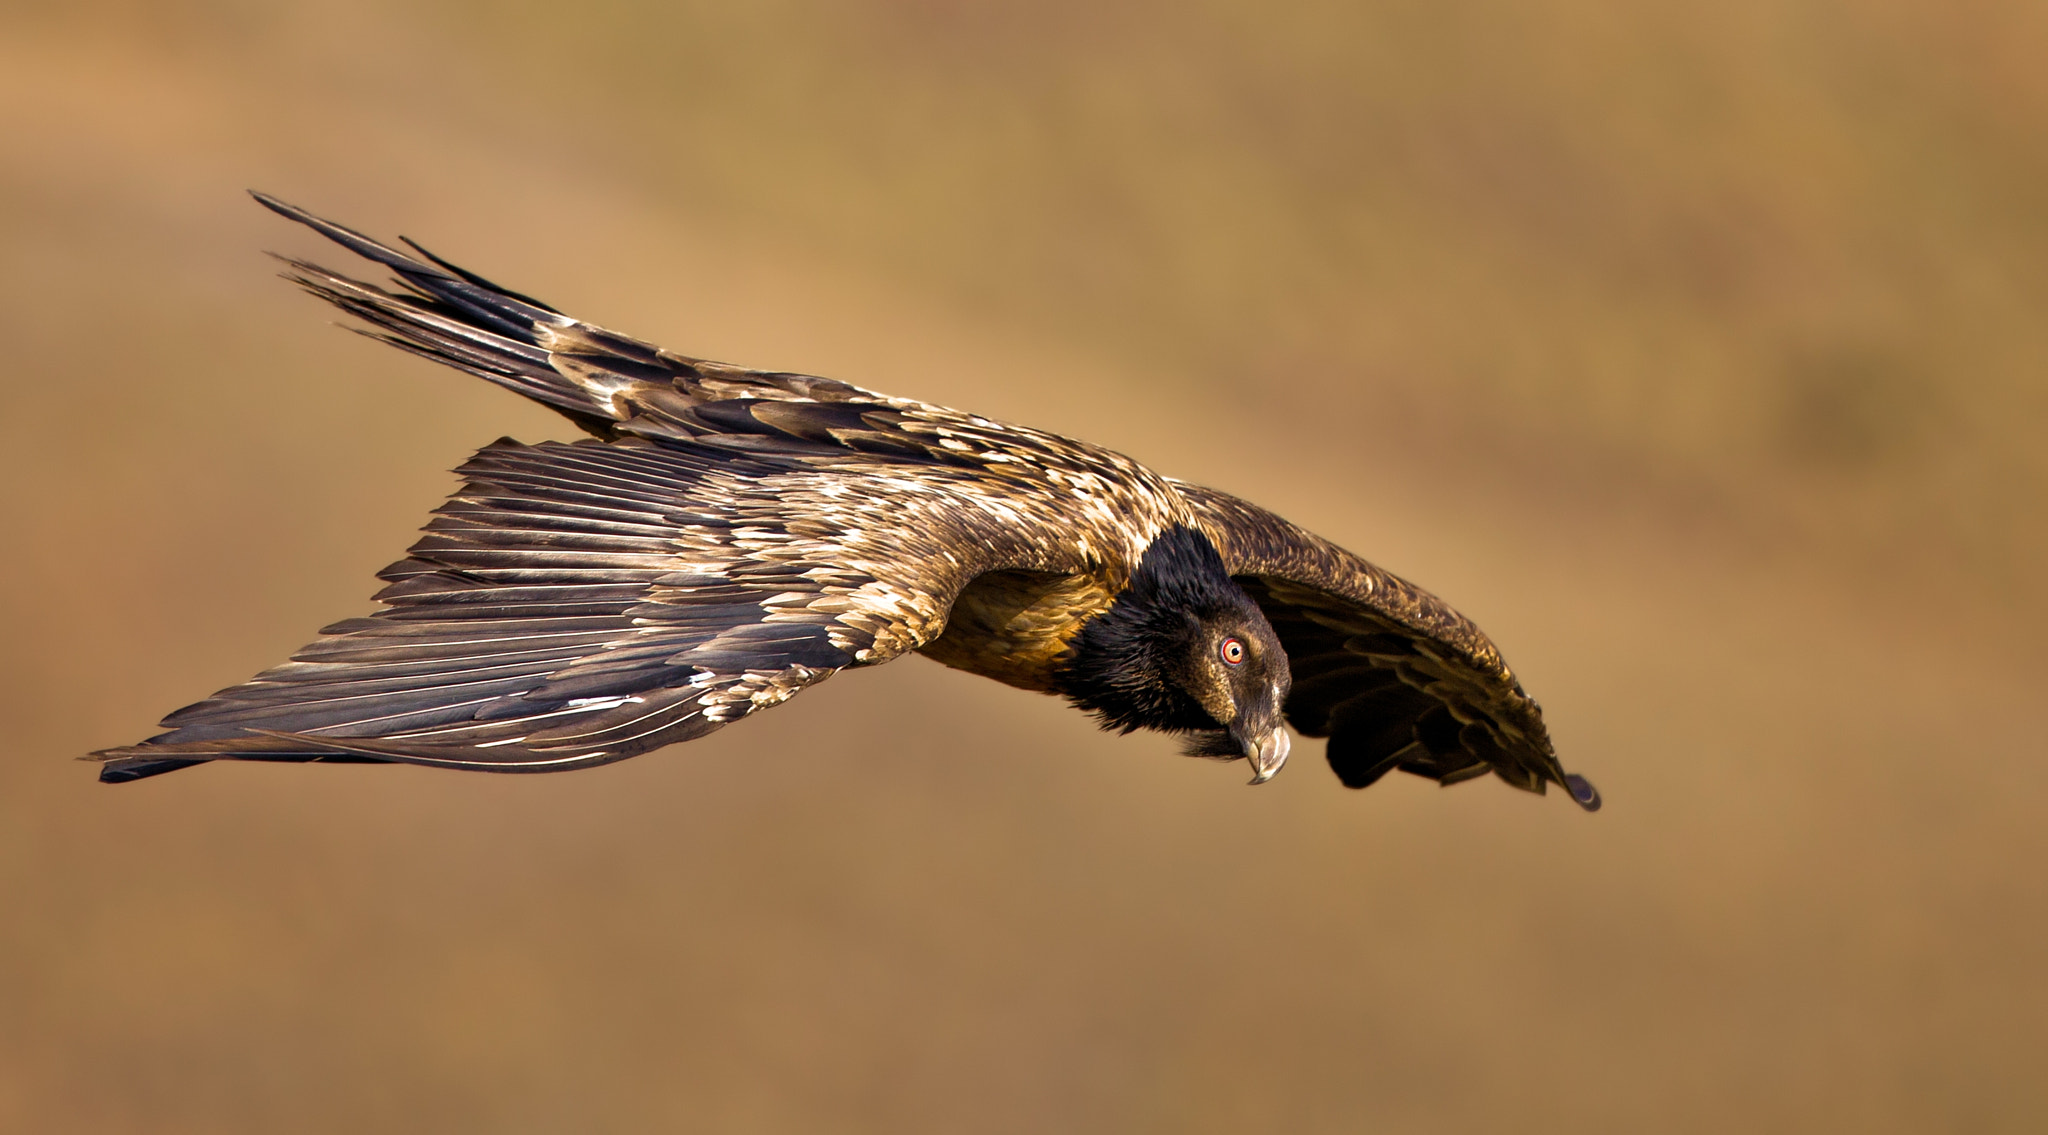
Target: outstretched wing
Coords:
[[1055, 494], [616, 386], [578, 604], [1393, 676]]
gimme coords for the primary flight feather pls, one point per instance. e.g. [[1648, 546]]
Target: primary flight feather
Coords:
[[730, 536]]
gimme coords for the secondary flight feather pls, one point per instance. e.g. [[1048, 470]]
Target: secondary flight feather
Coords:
[[728, 537]]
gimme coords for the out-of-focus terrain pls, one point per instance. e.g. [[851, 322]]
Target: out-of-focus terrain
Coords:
[[1696, 351]]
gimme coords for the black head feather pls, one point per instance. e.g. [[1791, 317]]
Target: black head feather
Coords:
[[1146, 663]]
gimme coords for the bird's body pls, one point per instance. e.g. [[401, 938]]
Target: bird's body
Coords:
[[1014, 626], [730, 536]]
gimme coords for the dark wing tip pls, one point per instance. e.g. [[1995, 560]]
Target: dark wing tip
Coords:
[[369, 248], [292, 212], [473, 278], [120, 771], [1583, 793]]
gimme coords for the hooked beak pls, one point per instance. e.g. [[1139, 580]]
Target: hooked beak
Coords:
[[1267, 754]]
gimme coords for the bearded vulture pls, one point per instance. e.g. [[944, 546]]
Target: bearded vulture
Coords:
[[728, 537]]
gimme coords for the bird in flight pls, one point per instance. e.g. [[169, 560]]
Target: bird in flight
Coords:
[[728, 537]]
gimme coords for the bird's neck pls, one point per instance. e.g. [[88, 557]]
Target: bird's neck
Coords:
[[1126, 665]]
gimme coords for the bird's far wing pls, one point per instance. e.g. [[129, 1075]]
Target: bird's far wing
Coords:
[[577, 604], [1392, 675], [610, 384], [616, 386]]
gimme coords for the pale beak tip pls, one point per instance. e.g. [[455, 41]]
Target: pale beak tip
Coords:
[[1269, 756]]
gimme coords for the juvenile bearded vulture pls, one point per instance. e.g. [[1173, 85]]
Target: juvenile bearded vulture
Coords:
[[731, 536]]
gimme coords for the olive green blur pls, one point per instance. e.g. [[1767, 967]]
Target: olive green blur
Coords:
[[1699, 352]]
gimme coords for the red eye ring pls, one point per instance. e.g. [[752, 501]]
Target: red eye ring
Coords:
[[1233, 652]]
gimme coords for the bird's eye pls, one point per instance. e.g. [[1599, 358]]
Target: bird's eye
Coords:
[[1233, 651]]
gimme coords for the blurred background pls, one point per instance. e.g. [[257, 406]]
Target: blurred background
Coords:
[[1696, 351]]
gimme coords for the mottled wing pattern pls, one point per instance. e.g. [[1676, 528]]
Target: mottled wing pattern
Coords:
[[578, 604], [572, 605], [1392, 675]]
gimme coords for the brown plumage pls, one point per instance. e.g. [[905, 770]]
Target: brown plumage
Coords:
[[730, 536]]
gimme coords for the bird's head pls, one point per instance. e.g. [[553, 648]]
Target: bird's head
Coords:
[[1185, 650], [1232, 664]]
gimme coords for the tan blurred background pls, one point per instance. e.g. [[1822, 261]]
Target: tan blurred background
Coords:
[[1696, 350]]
